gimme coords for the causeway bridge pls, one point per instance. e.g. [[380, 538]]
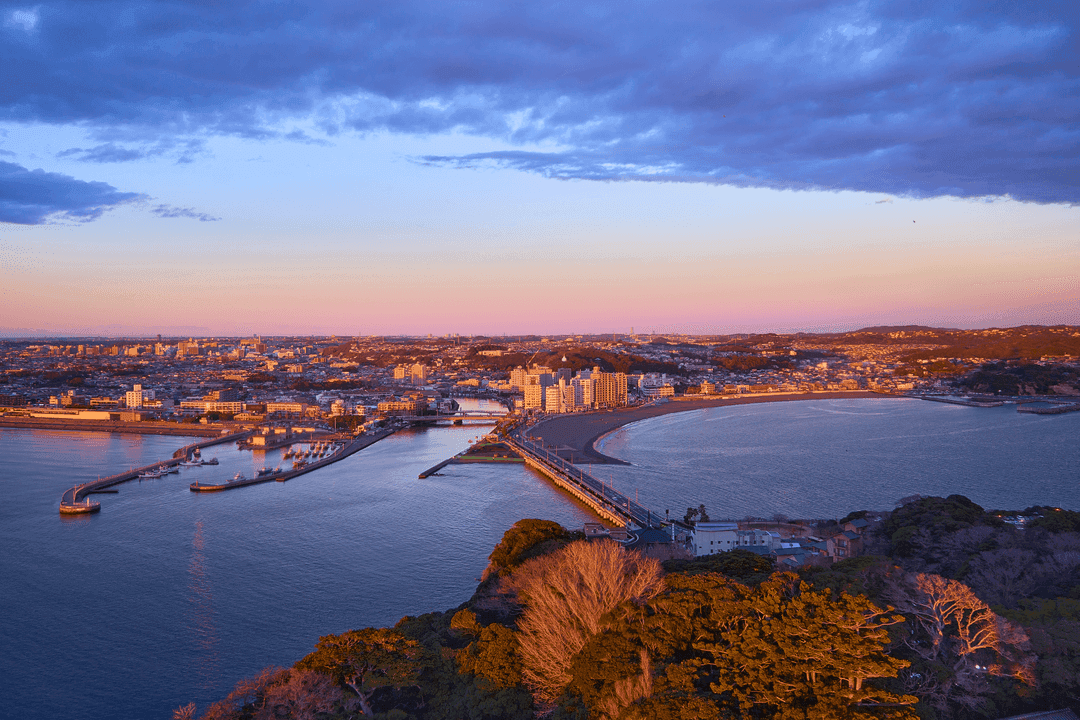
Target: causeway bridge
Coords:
[[602, 499], [473, 417]]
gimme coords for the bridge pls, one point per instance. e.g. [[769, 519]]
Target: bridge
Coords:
[[607, 502], [476, 417]]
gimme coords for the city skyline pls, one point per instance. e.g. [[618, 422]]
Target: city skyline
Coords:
[[516, 170]]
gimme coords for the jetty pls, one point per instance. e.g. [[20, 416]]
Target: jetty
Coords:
[[353, 446], [74, 501], [485, 451], [966, 402], [1051, 410]]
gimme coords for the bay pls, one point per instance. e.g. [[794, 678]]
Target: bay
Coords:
[[825, 458], [168, 596]]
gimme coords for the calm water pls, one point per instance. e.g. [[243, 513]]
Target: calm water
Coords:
[[824, 458], [168, 596]]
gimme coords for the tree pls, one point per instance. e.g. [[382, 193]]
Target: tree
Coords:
[[794, 652], [493, 656], [366, 660], [248, 695], [304, 695], [566, 596], [516, 542], [184, 712], [717, 648], [960, 640]]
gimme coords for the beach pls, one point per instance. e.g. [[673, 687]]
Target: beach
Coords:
[[572, 435]]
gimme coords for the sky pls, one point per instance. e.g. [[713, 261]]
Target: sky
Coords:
[[277, 167]]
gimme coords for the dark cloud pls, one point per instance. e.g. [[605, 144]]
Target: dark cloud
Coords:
[[32, 197], [169, 211], [914, 99]]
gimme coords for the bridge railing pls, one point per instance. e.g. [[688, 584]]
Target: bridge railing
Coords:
[[612, 499]]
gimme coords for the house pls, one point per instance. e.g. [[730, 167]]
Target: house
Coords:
[[715, 537], [658, 543], [844, 545], [856, 526]]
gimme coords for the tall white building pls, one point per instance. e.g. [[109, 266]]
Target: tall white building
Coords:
[[135, 397]]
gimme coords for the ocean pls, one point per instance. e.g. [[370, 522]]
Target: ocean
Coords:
[[168, 596]]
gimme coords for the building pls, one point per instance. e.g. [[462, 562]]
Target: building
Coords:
[[418, 374], [286, 407], [205, 406], [405, 406], [135, 397], [715, 537]]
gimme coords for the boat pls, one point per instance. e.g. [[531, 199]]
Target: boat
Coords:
[[190, 463], [212, 461], [239, 476], [151, 474], [262, 472]]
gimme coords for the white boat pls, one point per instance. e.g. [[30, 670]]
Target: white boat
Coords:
[[190, 463], [239, 476], [151, 474]]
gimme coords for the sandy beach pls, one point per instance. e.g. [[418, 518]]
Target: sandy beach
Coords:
[[573, 435]]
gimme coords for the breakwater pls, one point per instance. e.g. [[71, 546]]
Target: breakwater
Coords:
[[70, 501], [966, 402], [1053, 410], [353, 446]]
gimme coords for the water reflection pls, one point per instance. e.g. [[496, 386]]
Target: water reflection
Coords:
[[201, 613]]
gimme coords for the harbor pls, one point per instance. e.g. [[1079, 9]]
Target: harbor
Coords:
[[341, 451], [76, 500]]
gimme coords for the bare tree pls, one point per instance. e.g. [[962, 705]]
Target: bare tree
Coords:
[[303, 696], [958, 631], [566, 594], [185, 712]]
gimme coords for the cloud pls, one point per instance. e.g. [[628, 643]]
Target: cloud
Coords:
[[106, 153], [32, 197], [953, 98], [185, 150], [170, 211]]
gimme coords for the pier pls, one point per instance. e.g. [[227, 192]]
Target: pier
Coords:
[[353, 446], [74, 501], [961, 401], [1052, 410]]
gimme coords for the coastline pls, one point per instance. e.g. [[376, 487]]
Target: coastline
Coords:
[[572, 436], [132, 428]]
